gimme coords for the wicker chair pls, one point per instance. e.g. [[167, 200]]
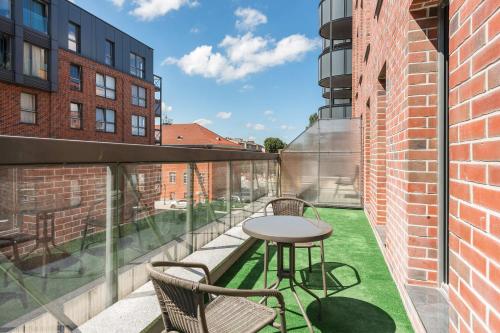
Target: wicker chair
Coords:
[[290, 206], [184, 310]]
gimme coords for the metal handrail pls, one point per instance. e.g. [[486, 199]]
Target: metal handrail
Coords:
[[17, 150]]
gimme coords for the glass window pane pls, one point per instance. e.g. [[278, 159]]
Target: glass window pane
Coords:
[[110, 116], [110, 94], [142, 93], [110, 128], [5, 8], [110, 82], [99, 80], [27, 61], [27, 102], [142, 121]]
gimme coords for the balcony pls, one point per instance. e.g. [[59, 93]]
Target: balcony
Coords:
[[335, 67], [335, 19], [342, 93], [362, 296], [88, 216], [335, 112]]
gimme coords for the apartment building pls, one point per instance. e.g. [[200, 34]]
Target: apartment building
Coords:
[[425, 81], [209, 178], [66, 74]]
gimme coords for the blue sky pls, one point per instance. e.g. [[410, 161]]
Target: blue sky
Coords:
[[243, 68]]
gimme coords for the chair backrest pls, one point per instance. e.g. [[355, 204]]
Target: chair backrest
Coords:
[[180, 301], [290, 207]]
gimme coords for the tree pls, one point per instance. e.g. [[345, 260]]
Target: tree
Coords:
[[312, 119], [272, 145]]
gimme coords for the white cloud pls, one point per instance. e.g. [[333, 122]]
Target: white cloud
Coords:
[[166, 108], [195, 30], [224, 115], [249, 19], [147, 10], [269, 112], [242, 56], [203, 122], [257, 127], [246, 87], [118, 3], [287, 127]]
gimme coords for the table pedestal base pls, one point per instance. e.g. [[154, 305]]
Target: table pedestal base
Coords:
[[289, 273]]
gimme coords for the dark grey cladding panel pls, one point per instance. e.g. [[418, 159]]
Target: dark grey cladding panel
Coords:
[[94, 32], [6, 26]]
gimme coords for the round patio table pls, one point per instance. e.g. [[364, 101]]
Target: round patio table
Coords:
[[286, 231]]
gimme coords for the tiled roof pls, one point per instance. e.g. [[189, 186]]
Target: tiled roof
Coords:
[[194, 135]]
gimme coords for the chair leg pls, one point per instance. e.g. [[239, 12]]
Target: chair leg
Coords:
[[82, 245], [266, 262], [310, 260], [323, 273]]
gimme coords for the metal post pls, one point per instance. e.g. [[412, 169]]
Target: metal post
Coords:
[[190, 204], [112, 215], [229, 191], [252, 177]]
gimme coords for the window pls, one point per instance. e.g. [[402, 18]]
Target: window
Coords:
[[35, 15], [138, 96], [5, 52], [105, 86], [28, 108], [185, 179], [5, 8], [172, 177], [75, 110], [35, 61], [109, 53], [138, 125], [75, 74], [74, 37], [172, 195], [105, 120], [136, 65]]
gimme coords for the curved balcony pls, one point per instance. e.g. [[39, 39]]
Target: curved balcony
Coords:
[[341, 93], [335, 112], [335, 18], [335, 68]]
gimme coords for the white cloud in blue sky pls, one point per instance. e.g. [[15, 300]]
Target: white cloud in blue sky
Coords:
[[224, 115], [148, 10], [242, 56], [249, 18]]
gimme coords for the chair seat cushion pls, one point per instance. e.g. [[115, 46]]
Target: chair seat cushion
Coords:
[[237, 315]]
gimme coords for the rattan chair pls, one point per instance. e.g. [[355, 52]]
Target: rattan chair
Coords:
[[227, 311], [294, 207]]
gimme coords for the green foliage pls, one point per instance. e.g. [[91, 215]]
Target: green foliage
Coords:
[[312, 119], [273, 145]]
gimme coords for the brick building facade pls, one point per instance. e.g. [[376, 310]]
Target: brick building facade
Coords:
[[425, 83], [66, 74]]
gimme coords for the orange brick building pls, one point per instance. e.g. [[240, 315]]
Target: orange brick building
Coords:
[[426, 85], [209, 178]]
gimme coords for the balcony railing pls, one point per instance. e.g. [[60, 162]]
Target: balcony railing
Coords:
[[335, 67], [79, 220], [335, 19], [335, 112]]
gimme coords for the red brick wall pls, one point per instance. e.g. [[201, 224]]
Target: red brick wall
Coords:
[[399, 128], [53, 115], [474, 287], [404, 39], [80, 193]]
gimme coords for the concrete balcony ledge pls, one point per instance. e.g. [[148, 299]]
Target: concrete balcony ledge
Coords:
[[139, 312]]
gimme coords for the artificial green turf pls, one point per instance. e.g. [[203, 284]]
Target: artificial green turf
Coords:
[[362, 296]]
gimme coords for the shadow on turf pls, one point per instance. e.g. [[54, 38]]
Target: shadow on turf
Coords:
[[339, 277], [344, 314]]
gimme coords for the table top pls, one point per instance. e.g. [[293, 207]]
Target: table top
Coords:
[[287, 229]]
